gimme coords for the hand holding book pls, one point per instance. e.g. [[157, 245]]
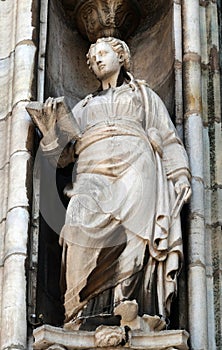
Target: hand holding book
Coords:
[[53, 117]]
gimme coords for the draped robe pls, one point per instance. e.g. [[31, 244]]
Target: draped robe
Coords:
[[118, 230]]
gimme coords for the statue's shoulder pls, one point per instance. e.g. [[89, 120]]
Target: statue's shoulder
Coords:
[[146, 89], [141, 82], [144, 86], [149, 91]]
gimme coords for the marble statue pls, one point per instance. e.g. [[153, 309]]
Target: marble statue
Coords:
[[121, 240]]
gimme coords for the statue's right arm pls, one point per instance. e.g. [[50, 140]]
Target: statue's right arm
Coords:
[[59, 130]]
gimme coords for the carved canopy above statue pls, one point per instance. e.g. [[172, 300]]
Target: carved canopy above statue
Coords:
[[102, 18]]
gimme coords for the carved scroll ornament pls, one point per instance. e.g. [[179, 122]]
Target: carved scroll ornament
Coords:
[[102, 18]]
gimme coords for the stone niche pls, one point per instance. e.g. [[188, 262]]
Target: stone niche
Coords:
[[67, 74], [151, 45]]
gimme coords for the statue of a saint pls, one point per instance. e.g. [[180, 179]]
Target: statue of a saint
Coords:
[[122, 236]]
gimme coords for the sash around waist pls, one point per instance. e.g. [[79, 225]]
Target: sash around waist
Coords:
[[110, 128]]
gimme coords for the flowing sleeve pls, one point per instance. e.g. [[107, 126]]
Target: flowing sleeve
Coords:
[[174, 156], [59, 154]]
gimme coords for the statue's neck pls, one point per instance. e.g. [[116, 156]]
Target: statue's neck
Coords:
[[110, 82], [118, 80]]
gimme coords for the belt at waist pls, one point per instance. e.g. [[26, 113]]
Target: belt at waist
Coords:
[[106, 129]]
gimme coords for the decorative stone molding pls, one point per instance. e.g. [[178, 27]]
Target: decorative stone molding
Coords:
[[109, 336], [47, 336], [102, 18]]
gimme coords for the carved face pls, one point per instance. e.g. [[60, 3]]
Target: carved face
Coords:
[[104, 61]]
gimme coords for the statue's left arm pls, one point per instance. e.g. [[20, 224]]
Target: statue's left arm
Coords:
[[174, 156]]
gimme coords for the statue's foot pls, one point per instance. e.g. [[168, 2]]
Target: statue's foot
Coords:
[[128, 310], [154, 323]]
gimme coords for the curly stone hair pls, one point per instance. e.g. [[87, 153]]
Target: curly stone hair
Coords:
[[118, 46]]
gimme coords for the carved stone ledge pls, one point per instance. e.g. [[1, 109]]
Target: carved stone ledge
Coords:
[[53, 338], [101, 18]]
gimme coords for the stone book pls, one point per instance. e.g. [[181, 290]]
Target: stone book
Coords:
[[65, 120]]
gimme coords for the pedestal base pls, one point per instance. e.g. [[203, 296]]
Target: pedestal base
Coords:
[[53, 338]]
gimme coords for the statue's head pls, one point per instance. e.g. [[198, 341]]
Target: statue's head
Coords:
[[114, 53]]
